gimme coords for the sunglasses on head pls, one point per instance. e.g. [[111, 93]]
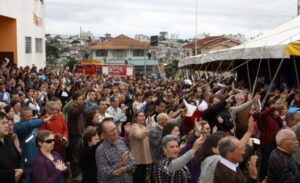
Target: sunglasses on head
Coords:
[[49, 141]]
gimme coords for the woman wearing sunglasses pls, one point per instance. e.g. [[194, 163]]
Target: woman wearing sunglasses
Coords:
[[48, 166]]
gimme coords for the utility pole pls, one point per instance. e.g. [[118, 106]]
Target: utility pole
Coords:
[[145, 66], [298, 7], [197, 26]]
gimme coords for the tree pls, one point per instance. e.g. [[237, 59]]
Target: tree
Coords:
[[85, 54], [71, 63], [171, 68], [52, 51], [75, 42]]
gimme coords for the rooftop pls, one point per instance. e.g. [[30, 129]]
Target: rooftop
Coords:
[[211, 41], [120, 42]]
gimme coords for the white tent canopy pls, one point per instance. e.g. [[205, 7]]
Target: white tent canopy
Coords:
[[269, 45]]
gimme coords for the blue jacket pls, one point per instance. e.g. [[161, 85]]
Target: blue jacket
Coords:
[[27, 132]]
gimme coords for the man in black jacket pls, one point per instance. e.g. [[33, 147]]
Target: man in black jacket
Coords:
[[10, 158]]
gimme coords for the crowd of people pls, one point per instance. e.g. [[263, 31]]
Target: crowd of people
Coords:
[[59, 126]]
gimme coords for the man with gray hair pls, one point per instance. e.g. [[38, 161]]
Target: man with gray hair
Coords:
[[114, 162], [292, 119], [282, 167], [232, 150], [57, 125], [155, 136]]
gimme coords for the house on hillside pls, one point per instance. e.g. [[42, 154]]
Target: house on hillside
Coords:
[[209, 44], [125, 50]]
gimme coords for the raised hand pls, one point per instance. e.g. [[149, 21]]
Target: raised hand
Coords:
[[220, 119], [198, 144], [256, 98], [252, 167], [127, 127], [251, 125], [198, 127]]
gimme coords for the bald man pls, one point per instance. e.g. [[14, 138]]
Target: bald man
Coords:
[[227, 170], [282, 167], [155, 135]]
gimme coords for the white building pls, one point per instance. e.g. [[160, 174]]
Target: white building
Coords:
[[22, 32], [86, 35], [141, 37], [174, 36]]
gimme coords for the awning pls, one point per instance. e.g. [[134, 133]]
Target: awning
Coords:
[[293, 49]]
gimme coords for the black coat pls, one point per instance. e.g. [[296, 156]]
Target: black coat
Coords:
[[88, 163], [9, 161], [218, 109]]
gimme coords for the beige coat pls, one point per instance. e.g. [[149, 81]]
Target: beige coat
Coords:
[[139, 144]]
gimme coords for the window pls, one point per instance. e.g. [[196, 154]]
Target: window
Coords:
[[101, 53], [27, 44], [138, 53], [119, 54], [38, 45]]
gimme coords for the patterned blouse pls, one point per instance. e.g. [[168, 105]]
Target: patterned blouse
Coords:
[[161, 174]]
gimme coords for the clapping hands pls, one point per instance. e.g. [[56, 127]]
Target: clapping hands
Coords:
[[60, 165]]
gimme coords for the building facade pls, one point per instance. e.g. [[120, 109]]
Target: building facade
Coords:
[[209, 44], [125, 50], [22, 32], [142, 38]]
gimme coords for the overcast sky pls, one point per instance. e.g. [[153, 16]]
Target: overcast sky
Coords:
[[149, 17]]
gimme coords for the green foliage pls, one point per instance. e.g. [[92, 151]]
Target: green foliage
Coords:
[[71, 63], [85, 53], [171, 68], [52, 51], [75, 42]]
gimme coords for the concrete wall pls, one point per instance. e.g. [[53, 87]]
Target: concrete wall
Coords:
[[8, 36], [23, 12]]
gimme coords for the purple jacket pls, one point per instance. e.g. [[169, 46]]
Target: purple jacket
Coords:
[[193, 165], [44, 171]]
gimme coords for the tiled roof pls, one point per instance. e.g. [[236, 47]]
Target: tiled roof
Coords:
[[210, 41], [120, 42]]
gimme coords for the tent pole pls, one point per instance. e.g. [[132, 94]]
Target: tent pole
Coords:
[[207, 66], [199, 70], [206, 70], [227, 69], [249, 79], [296, 72], [200, 67], [240, 65], [255, 81], [269, 69], [219, 66], [272, 82]]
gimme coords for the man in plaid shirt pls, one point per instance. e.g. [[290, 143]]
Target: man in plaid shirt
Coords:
[[114, 162]]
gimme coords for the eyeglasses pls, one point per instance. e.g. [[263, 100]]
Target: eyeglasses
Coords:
[[49, 141], [112, 131]]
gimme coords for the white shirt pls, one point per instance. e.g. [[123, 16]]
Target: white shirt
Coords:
[[203, 106], [229, 164], [117, 114]]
